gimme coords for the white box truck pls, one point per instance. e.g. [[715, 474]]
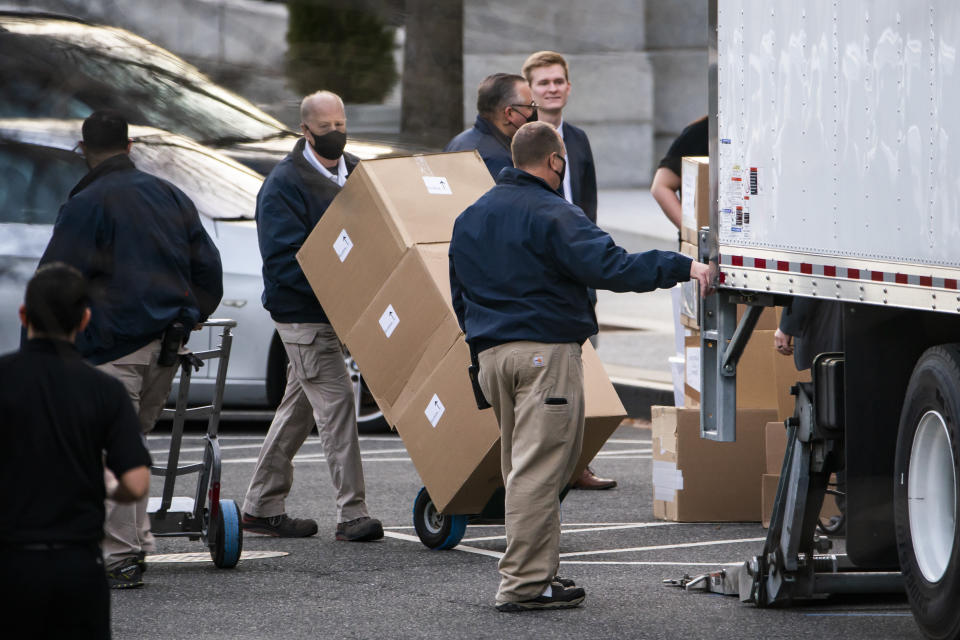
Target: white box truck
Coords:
[[835, 174]]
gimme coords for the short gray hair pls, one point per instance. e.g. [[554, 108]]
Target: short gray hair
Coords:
[[306, 105]]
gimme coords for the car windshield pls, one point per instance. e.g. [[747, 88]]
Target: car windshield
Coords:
[[64, 69]]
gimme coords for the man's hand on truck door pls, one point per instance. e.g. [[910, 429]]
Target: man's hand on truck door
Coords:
[[701, 273], [783, 343]]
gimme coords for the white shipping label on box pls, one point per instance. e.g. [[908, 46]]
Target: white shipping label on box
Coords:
[[667, 480], [343, 245], [434, 410], [693, 368], [437, 185], [389, 320]]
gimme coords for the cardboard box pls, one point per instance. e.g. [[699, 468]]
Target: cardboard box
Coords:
[[769, 319], [756, 383], [774, 447], [768, 493], [385, 207], [785, 376], [694, 196], [407, 328], [698, 480], [456, 447]]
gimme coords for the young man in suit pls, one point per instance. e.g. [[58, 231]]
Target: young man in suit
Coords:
[[549, 78]]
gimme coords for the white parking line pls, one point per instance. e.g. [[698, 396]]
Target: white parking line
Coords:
[[617, 452], [310, 457], [634, 525], [459, 547], [683, 545], [652, 563]]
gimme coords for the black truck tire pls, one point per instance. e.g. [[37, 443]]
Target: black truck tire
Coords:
[[926, 491]]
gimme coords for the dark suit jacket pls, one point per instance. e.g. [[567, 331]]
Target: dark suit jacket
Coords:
[[583, 174]]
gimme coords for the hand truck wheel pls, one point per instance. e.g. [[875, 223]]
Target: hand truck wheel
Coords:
[[436, 530], [226, 541]]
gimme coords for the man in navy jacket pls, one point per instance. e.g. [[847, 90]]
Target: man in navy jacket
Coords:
[[521, 260], [549, 78], [504, 104], [291, 201], [152, 269]]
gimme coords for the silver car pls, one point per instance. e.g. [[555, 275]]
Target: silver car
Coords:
[[39, 167]]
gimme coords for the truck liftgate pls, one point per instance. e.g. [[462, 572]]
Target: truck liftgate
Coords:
[[835, 174]]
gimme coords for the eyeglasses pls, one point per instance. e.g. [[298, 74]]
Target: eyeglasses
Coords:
[[532, 105]]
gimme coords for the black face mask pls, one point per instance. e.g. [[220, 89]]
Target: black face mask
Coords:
[[533, 117], [330, 145], [561, 173]]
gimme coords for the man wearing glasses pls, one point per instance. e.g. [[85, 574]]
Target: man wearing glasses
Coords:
[[504, 104]]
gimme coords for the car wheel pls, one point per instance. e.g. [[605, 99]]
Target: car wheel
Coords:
[[369, 417]]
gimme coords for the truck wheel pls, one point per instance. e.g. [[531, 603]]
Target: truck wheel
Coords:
[[435, 530], [925, 492]]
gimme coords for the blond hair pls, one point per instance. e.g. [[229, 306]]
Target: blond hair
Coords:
[[544, 59]]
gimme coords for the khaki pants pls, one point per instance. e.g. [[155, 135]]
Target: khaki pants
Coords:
[[318, 391], [126, 529], [536, 390]]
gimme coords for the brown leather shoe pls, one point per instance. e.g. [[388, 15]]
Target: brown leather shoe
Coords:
[[589, 481]]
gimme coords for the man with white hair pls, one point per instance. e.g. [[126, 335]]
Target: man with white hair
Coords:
[[291, 201]]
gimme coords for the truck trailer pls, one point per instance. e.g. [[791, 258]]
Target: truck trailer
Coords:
[[835, 174]]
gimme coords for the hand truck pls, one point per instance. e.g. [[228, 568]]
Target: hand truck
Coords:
[[219, 524]]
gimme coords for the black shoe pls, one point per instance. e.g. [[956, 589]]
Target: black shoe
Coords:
[[360, 530], [281, 526], [561, 598], [563, 582], [142, 561], [126, 576]]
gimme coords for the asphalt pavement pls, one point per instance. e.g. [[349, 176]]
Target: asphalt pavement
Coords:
[[397, 588]]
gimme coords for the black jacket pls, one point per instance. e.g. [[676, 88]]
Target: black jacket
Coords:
[[583, 173], [291, 202], [522, 257], [817, 327], [139, 241]]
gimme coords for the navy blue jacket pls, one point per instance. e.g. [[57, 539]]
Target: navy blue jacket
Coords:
[[291, 202], [490, 143], [139, 241], [583, 173], [522, 257]]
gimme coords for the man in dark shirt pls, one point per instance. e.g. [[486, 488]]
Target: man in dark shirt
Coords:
[[60, 416], [694, 140], [521, 260], [504, 104], [153, 272]]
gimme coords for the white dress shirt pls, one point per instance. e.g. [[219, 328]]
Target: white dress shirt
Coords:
[[567, 189], [341, 176]]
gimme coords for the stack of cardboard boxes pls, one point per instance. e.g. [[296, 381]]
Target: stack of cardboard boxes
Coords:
[[702, 480], [377, 262]]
